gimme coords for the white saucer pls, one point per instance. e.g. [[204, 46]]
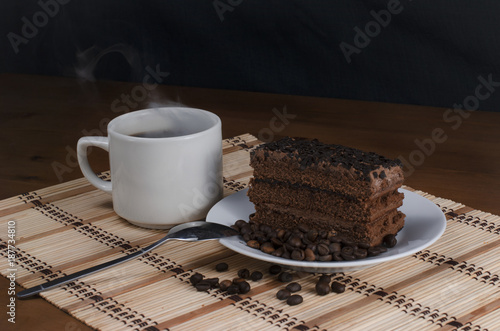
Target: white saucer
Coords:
[[424, 224]]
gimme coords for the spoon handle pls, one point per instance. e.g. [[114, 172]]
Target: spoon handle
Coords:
[[69, 278]]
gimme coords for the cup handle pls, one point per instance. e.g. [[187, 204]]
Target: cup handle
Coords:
[[83, 144]]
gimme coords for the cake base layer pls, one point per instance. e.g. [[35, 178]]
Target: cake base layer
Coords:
[[280, 217], [323, 201]]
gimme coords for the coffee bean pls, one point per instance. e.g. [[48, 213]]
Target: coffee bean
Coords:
[[260, 237], [213, 282], [286, 255], [294, 300], [274, 269], [196, 278], [278, 252], [286, 236], [243, 287], [287, 247], [244, 273], [337, 256], [324, 242], [338, 287], [322, 288], [312, 247], [221, 266], [298, 234], [293, 287], [309, 255], [245, 229], [323, 249], [253, 244], [306, 242], [294, 241], [390, 240], [325, 258], [240, 223], [298, 254], [382, 249], [233, 289], [225, 284], [276, 242], [348, 243], [373, 251], [348, 257], [325, 278], [360, 253], [312, 235], [303, 228], [202, 286], [335, 247], [283, 294], [363, 245], [266, 229], [335, 239], [281, 234], [285, 277], [267, 247], [348, 250], [238, 280], [256, 275]]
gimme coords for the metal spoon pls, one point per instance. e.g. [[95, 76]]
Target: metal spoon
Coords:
[[192, 231]]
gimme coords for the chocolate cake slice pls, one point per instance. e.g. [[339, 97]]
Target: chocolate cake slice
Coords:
[[326, 187]]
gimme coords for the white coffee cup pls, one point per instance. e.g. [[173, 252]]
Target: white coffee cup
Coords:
[[160, 182]]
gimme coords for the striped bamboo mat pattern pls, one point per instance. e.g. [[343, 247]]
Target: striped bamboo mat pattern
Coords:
[[452, 285]]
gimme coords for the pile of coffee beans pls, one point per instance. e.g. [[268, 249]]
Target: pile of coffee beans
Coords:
[[323, 286], [203, 284], [305, 244], [240, 284]]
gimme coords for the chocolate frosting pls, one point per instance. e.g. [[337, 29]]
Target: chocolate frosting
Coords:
[[311, 153]]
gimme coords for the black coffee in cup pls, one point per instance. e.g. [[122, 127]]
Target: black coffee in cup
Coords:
[[156, 134]]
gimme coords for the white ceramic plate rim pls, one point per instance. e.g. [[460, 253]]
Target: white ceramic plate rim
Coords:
[[425, 223]]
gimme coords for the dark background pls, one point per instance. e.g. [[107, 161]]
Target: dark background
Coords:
[[431, 53]]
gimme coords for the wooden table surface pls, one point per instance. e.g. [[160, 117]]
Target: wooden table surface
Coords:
[[452, 154]]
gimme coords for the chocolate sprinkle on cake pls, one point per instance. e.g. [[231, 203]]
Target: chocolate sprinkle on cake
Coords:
[[311, 153]]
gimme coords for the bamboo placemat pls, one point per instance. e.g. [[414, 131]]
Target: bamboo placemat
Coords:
[[452, 285]]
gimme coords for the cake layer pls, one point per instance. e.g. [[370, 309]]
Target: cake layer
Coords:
[[336, 168], [279, 217], [323, 201]]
